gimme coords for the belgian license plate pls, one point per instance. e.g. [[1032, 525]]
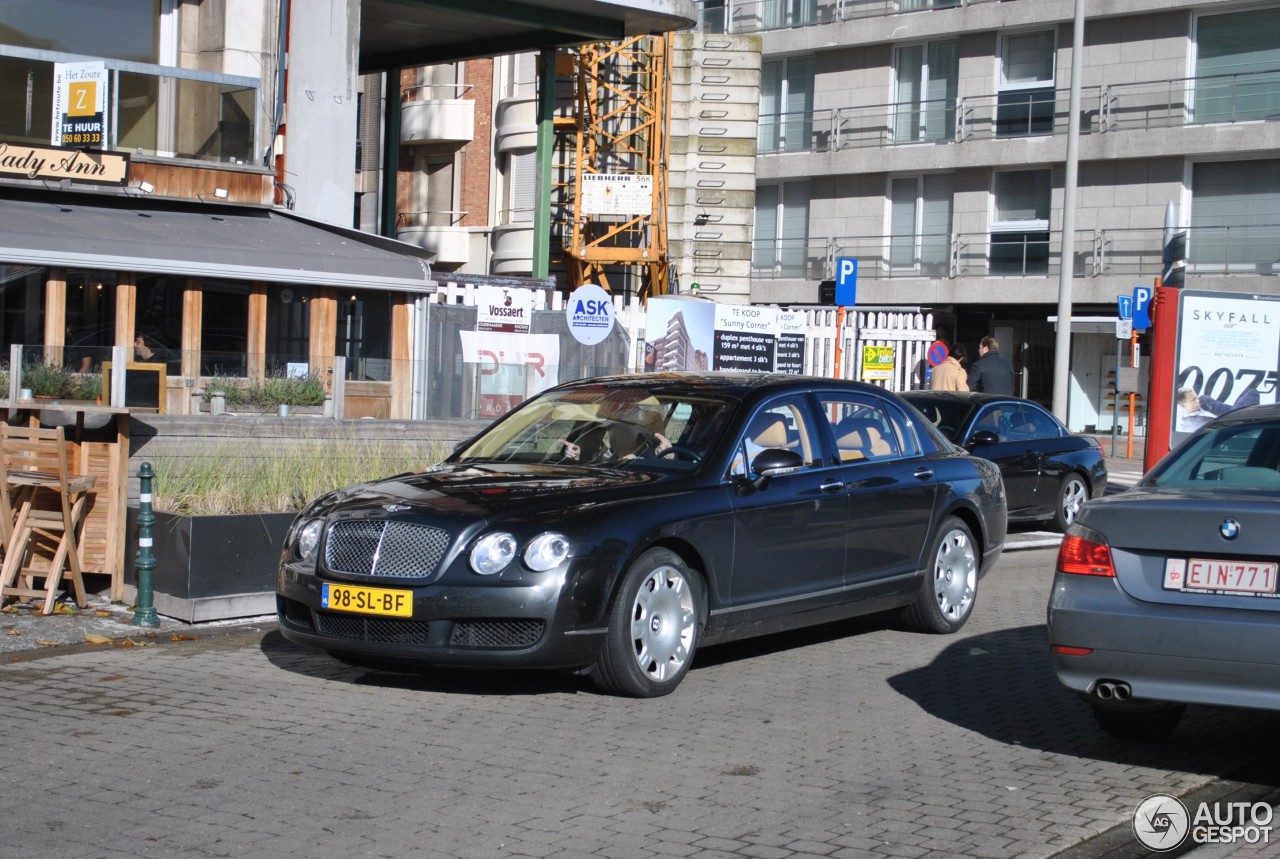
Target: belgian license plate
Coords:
[[385, 601], [1207, 574]]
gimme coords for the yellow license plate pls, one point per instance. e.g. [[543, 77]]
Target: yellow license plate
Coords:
[[385, 601]]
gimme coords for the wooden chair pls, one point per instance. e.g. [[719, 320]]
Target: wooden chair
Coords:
[[45, 510]]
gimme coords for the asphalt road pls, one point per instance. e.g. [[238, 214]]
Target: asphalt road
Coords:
[[855, 739]]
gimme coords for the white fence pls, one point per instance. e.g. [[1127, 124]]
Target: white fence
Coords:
[[908, 332]]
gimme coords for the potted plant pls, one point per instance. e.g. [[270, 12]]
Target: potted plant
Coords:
[[222, 513]]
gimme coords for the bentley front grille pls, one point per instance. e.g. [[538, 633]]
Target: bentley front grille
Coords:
[[374, 547]]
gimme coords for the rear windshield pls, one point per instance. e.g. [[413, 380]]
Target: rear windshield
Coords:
[[1241, 455]]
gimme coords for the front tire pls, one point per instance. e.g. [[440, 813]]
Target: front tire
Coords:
[[654, 625], [1072, 494], [949, 589]]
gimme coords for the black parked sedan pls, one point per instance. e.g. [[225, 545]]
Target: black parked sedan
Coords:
[[1049, 472], [614, 525]]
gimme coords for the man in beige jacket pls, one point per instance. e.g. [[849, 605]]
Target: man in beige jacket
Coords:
[[950, 375]]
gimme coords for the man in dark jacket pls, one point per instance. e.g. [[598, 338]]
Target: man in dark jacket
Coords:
[[992, 372]]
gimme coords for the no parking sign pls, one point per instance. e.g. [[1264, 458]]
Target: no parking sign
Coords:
[[937, 353]]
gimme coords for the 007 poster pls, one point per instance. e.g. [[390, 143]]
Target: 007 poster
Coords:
[[1228, 355]]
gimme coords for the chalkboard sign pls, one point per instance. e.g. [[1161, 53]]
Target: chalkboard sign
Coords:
[[144, 385]]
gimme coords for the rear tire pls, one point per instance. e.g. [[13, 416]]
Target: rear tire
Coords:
[[1072, 494], [654, 625], [950, 587], [1146, 723]]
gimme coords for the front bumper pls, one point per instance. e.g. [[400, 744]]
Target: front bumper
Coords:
[[1187, 654], [532, 624]]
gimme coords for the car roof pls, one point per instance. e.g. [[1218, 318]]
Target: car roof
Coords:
[[962, 396], [1247, 415], [726, 383]]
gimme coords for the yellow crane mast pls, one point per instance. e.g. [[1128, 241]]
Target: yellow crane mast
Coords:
[[617, 181]]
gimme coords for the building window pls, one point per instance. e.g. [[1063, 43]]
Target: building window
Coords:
[[519, 187], [711, 17], [1020, 226], [1025, 103], [433, 193], [920, 225], [780, 242], [1235, 210], [22, 304], [779, 14], [786, 105], [1238, 66], [927, 77], [120, 30], [364, 332], [224, 328], [91, 318]]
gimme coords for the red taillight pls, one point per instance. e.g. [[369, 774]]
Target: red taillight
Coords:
[[1081, 556], [1066, 650]]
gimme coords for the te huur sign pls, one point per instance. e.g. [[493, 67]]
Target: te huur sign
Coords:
[[57, 163]]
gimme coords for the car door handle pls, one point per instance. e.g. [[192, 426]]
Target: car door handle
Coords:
[[832, 486], [924, 473]]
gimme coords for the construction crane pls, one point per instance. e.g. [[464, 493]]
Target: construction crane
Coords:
[[614, 187]]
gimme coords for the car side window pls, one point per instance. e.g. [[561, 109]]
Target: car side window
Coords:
[[779, 424], [1039, 423], [864, 430], [993, 419]]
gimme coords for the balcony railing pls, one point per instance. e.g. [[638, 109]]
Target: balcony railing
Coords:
[[1190, 101], [757, 16], [1227, 250], [1025, 113]]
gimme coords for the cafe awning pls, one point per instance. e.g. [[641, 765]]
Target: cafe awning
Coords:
[[216, 241]]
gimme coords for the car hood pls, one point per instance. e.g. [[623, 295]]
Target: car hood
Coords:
[[485, 490]]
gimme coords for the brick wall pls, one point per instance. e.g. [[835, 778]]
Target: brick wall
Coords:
[[476, 158]]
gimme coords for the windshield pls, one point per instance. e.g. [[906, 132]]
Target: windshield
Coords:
[[1237, 455], [610, 426]]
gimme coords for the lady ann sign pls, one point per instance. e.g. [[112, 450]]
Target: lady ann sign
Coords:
[[1228, 354]]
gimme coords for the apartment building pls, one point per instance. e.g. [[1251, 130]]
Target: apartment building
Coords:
[[928, 139]]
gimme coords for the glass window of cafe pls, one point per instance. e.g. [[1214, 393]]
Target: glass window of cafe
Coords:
[[157, 320], [119, 29], [364, 333], [224, 328], [90, 317], [21, 305]]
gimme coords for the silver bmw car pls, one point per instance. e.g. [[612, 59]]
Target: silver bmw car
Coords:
[[1167, 594]]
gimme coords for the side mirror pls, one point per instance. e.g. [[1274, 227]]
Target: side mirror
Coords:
[[772, 462], [982, 437]]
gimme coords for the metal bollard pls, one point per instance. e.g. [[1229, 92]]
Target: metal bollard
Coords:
[[144, 612]]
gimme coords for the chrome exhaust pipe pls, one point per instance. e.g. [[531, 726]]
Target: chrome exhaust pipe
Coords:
[[1112, 690]]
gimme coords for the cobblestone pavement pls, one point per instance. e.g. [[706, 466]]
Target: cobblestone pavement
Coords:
[[852, 740]]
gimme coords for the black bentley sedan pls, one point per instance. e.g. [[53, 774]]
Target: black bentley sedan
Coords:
[[1049, 472], [614, 525]]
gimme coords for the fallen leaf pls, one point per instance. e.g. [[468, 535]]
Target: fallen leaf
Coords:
[[63, 608], [46, 643], [129, 642], [10, 609], [150, 635], [12, 632], [102, 613], [113, 677], [94, 638], [179, 637]]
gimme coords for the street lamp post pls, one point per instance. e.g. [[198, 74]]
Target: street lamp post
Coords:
[[1066, 259]]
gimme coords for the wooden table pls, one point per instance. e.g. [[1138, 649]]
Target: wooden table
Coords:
[[102, 541]]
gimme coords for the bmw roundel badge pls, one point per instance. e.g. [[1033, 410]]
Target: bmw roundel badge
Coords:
[[1229, 529]]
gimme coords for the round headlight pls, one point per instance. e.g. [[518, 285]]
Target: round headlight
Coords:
[[492, 553], [309, 539], [546, 551]]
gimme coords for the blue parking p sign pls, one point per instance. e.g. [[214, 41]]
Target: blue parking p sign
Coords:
[[846, 281], [1141, 308]]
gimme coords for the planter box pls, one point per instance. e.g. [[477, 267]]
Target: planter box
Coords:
[[210, 567]]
